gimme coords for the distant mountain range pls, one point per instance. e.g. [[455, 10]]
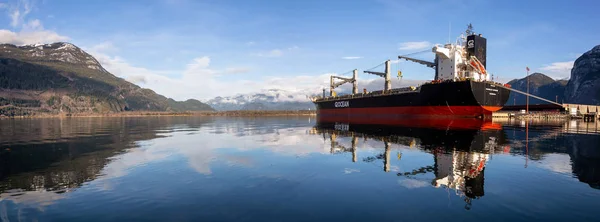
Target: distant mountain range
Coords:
[[582, 88], [62, 78], [272, 99]]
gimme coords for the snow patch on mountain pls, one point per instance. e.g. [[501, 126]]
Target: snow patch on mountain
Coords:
[[59, 51]]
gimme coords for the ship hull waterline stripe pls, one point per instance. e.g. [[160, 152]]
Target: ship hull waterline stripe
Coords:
[[467, 111]]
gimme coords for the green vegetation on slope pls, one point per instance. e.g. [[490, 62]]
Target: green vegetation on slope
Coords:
[[189, 105], [61, 78]]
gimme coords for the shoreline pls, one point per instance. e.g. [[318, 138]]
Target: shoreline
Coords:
[[235, 113]]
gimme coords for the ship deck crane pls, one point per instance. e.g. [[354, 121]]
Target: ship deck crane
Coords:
[[386, 75], [353, 80], [422, 62]]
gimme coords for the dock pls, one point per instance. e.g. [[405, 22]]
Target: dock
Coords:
[[531, 115], [551, 110]]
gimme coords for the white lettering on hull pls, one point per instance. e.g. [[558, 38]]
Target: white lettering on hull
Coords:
[[342, 127], [342, 104]]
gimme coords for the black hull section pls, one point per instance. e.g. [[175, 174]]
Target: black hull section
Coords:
[[473, 139], [465, 98]]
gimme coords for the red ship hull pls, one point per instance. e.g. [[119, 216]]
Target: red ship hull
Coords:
[[420, 122]]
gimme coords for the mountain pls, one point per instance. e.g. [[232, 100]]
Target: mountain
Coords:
[[188, 105], [584, 85], [279, 99], [540, 85], [62, 78], [271, 99]]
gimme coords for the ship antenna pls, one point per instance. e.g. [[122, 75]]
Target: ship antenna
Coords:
[[469, 29], [449, 31]]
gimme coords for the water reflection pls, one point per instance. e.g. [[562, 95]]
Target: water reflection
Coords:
[[61, 154], [145, 164], [553, 142], [459, 153], [41, 158], [461, 150]]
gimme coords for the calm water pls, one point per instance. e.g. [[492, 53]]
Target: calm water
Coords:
[[291, 169]]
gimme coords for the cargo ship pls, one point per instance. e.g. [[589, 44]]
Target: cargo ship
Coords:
[[461, 88]]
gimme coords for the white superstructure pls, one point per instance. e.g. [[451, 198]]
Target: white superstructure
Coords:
[[463, 60], [454, 62]]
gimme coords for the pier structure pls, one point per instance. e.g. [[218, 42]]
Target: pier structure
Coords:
[[551, 110]]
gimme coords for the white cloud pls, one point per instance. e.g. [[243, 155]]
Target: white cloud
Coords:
[[200, 81], [33, 25], [236, 70], [352, 57], [104, 47], [292, 141], [412, 183], [18, 13], [35, 198], [414, 45], [31, 32], [560, 163], [14, 18], [250, 43], [30, 37], [559, 69], [199, 66]]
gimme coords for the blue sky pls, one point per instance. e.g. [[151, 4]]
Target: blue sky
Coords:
[[201, 49]]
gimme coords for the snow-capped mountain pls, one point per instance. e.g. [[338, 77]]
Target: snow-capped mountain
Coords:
[[270, 99], [62, 78], [279, 99], [55, 52]]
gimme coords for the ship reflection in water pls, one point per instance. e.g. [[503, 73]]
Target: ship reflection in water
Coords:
[[297, 169], [460, 149]]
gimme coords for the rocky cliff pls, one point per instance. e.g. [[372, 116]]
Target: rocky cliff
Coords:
[[62, 78], [584, 85]]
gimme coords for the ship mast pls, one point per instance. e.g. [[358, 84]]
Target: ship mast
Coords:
[[469, 30]]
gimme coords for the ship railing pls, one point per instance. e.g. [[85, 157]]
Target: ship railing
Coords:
[[390, 92], [369, 94]]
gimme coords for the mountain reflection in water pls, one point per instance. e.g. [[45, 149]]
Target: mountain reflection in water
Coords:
[[275, 168]]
